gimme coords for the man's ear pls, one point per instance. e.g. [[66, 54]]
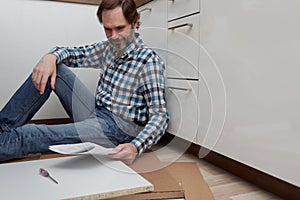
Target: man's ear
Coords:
[[135, 25]]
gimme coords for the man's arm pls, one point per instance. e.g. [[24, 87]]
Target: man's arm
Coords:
[[87, 56], [153, 90], [152, 80], [84, 56], [153, 131]]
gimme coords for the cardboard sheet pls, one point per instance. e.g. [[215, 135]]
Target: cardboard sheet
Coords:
[[194, 186], [170, 180]]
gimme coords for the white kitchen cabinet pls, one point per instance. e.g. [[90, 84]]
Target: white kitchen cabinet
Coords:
[[181, 94], [247, 80], [212, 101], [153, 14], [180, 8], [255, 46], [153, 29], [182, 72], [183, 47], [182, 101]]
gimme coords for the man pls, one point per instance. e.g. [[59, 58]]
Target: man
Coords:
[[129, 110]]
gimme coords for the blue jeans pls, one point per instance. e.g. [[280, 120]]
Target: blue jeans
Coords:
[[91, 123]]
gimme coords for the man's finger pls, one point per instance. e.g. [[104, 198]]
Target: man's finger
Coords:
[[43, 83], [37, 82], [52, 81], [117, 153]]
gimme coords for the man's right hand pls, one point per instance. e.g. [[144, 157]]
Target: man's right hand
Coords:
[[44, 69]]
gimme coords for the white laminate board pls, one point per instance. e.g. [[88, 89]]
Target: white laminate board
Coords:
[[77, 176]]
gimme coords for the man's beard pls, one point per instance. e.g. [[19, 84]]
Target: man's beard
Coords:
[[120, 42]]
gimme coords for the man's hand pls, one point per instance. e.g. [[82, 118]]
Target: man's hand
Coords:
[[125, 152], [45, 68]]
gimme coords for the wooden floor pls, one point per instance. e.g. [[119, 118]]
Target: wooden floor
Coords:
[[224, 186]]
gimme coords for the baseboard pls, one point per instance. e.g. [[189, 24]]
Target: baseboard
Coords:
[[265, 181]]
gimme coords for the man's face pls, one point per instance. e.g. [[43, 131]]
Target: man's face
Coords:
[[117, 29]]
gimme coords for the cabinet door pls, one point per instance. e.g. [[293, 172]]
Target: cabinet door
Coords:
[[179, 8], [212, 101], [183, 48], [181, 97]]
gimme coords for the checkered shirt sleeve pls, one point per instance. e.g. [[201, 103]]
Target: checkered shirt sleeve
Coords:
[[85, 56], [152, 88]]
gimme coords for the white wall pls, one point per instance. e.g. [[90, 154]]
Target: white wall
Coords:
[[29, 29]]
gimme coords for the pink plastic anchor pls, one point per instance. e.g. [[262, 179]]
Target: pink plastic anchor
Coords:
[[45, 173]]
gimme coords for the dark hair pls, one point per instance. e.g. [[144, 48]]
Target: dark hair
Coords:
[[128, 7]]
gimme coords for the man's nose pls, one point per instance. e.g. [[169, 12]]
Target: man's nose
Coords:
[[114, 34]]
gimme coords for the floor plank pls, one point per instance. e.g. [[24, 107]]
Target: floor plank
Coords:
[[224, 185], [258, 195]]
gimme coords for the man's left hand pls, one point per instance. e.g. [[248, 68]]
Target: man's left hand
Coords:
[[125, 152]]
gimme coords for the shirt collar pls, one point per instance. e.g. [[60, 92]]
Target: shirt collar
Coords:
[[137, 43], [134, 45], [113, 55]]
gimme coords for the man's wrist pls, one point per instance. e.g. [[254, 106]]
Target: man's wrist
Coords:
[[134, 149], [137, 145], [52, 56]]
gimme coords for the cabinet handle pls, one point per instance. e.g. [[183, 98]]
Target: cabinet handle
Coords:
[[179, 88], [145, 9], [181, 25]]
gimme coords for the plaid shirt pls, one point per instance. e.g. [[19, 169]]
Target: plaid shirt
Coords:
[[131, 86]]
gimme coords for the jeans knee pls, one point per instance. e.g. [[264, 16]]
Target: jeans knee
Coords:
[[4, 128], [62, 70], [9, 146]]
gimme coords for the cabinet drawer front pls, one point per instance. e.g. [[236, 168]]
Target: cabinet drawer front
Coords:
[[188, 26], [179, 8], [153, 29], [181, 97], [153, 14], [183, 47]]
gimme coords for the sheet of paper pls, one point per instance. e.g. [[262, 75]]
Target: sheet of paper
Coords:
[[82, 148]]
